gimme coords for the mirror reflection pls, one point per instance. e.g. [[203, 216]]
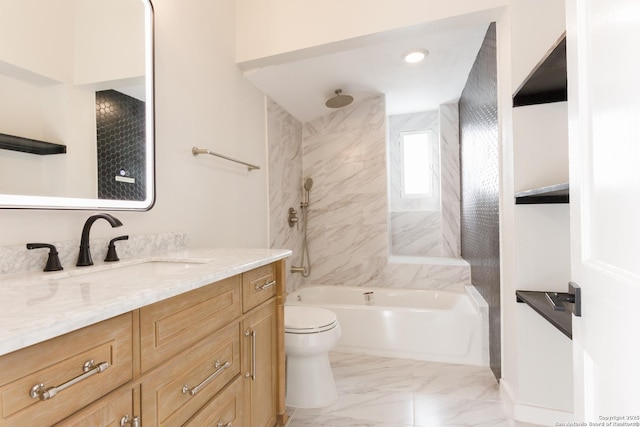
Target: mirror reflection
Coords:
[[76, 75]]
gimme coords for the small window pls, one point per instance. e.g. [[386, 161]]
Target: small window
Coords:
[[417, 163]]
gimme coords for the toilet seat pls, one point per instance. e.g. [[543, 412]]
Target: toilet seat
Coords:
[[308, 320]]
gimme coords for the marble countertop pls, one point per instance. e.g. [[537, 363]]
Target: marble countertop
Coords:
[[35, 307]]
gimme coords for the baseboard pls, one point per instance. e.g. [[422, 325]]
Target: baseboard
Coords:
[[530, 413]]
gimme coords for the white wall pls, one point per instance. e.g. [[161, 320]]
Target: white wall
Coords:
[[201, 99], [268, 28], [535, 239]]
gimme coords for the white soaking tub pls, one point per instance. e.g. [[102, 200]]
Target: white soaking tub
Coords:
[[434, 325]]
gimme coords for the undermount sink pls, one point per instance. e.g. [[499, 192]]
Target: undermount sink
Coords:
[[143, 270]]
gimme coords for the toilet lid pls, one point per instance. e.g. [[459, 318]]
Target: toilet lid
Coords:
[[304, 319]]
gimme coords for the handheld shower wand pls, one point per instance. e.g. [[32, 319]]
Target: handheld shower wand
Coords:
[[308, 183], [305, 268]]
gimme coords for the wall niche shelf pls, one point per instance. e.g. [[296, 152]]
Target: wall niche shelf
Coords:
[[32, 146], [548, 80], [558, 193], [538, 302]]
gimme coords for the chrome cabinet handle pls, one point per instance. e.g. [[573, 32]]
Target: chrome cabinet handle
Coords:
[[219, 369], [252, 374], [135, 421], [89, 369], [222, 424], [265, 286]]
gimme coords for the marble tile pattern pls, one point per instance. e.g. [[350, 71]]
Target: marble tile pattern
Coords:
[[450, 179], [38, 306], [19, 259], [345, 153], [384, 392], [416, 233], [416, 240], [284, 133]]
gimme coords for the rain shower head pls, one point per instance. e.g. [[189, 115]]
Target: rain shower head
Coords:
[[339, 100]]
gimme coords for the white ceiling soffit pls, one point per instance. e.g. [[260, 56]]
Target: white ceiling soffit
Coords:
[[302, 86]]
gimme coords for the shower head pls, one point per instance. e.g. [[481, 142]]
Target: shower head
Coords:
[[339, 100], [308, 183]]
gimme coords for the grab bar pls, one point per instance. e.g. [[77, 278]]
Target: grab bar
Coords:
[[195, 151]]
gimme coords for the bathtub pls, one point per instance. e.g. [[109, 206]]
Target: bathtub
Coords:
[[433, 325]]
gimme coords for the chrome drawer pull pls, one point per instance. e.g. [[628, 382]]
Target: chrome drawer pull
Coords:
[[265, 286], [222, 424], [135, 421], [219, 369], [38, 390], [252, 374]]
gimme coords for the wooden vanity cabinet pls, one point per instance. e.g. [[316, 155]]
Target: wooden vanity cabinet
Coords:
[[211, 356], [54, 364], [115, 409], [260, 366], [176, 390]]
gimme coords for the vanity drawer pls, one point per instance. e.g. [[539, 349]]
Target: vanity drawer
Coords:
[[108, 411], [57, 364], [175, 391], [258, 285], [170, 326], [225, 408]]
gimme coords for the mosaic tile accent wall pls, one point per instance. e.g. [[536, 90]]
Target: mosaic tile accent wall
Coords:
[[284, 133], [120, 122], [480, 185]]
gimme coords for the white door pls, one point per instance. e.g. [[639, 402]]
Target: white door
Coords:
[[603, 52]]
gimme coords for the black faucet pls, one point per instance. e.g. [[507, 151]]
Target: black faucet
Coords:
[[84, 257]]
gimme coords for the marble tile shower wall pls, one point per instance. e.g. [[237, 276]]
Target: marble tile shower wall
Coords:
[[450, 179], [18, 259], [417, 228], [284, 133], [345, 154], [415, 223]]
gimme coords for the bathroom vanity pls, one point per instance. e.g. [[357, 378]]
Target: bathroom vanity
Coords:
[[192, 338]]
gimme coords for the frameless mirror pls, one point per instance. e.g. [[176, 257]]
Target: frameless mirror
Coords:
[[76, 104]]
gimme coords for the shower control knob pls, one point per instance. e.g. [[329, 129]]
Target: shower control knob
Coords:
[[293, 217]]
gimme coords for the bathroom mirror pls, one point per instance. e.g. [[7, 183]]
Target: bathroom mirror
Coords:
[[76, 104]]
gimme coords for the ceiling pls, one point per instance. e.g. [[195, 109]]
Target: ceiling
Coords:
[[302, 86]]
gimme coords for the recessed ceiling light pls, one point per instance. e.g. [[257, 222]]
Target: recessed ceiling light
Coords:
[[414, 56]]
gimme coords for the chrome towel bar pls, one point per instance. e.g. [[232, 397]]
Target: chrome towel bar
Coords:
[[195, 151]]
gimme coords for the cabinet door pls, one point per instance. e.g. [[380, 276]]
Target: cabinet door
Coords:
[[119, 408], [260, 366]]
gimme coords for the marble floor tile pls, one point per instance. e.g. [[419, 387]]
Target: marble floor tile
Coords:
[[385, 392]]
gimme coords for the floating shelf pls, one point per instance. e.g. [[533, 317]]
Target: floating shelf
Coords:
[[558, 193], [548, 80], [538, 301], [26, 145]]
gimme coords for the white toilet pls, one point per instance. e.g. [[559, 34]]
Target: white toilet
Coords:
[[309, 334]]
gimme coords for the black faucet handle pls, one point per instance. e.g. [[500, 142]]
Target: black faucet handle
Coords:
[[53, 261], [111, 252]]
